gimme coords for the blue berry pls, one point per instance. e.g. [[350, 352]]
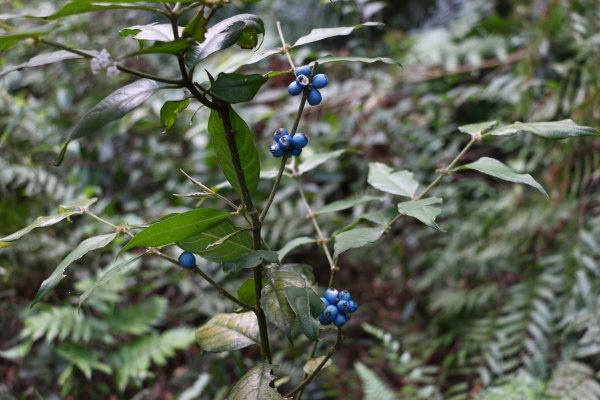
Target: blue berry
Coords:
[[331, 295], [187, 260], [340, 320], [294, 89], [343, 306], [286, 142], [276, 149], [296, 151], [324, 300], [303, 70], [328, 315], [352, 306], [300, 140], [303, 81], [319, 81], [314, 97], [279, 132], [344, 295]]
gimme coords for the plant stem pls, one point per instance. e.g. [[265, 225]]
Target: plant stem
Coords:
[[105, 222], [209, 190], [263, 214], [286, 47], [319, 367]]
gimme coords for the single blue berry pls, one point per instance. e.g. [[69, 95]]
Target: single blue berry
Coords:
[[296, 151], [303, 70], [303, 81], [276, 149], [324, 300], [319, 81], [331, 295], [187, 260], [328, 315], [343, 306], [294, 89], [300, 140], [286, 142], [344, 295], [314, 97], [279, 132], [352, 306], [340, 320]]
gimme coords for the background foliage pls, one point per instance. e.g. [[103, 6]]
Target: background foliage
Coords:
[[504, 303]]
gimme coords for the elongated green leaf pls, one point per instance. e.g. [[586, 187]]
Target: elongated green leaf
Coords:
[[313, 161], [497, 169], [196, 28], [367, 60], [154, 31], [347, 203], [373, 387], [93, 243], [292, 244], [227, 332], [255, 385], [177, 227], [222, 35], [387, 180], [45, 59], [246, 149], [305, 310], [323, 33], [274, 301], [313, 363], [175, 47], [234, 248], [550, 130], [113, 107], [250, 260], [247, 292], [355, 238], [84, 358], [82, 7], [11, 39], [170, 110], [422, 210], [478, 129], [261, 55], [237, 88]]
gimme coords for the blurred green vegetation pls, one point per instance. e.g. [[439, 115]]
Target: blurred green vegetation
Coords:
[[503, 304]]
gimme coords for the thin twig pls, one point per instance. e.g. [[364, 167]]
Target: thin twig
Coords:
[[286, 47], [263, 214]]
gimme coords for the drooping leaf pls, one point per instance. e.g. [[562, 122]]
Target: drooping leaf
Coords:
[[313, 161], [237, 88], [347, 203], [175, 47], [305, 309], [177, 227], [422, 210], [478, 129], [313, 363], [247, 292], [93, 243], [373, 387], [261, 55], [11, 39], [246, 149], [45, 59], [387, 180], [292, 244], [323, 33], [497, 169], [196, 28], [367, 60], [248, 39], [170, 110], [255, 385], [355, 238], [550, 130], [81, 7], [113, 107], [250, 260], [274, 301], [232, 249], [154, 31], [227, 332]]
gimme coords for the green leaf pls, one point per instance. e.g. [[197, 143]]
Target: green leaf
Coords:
[[236, 88], [261, 55], [170, 110], [367, 60], [84, 358], [93, 243], [313, 363], [550, 130], [355, 238], [232, 249], [373, 387], [45, 59], [154, 31], [17, 352], [255, 385], [478, 129], [323, 33], [175, 47], [497, 169], [248, 39], [246, 149], [196, 28], [274, 301], [177, 227], [347, 203], [313, 161], [305, 309], [222, 35], [387, 180], [292, 244], [250, 260], [113, 107], [11, 39], [82, 7], [422, 210], [247, 293], [227, 332]]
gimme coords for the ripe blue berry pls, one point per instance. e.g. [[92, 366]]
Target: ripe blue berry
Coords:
[[331, 295], [344, 295], [294, 89], [352, 306], [340, 320], [286, 142], [319, 81], [303, 81], [303, 70], [343, 306], [279, 132], [187, 260], [324, 300], [276, 149], [300, 140], [328, 315], [296, 151], [314, 97]]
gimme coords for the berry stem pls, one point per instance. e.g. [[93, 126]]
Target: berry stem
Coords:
[[286, 47], [263, 214]]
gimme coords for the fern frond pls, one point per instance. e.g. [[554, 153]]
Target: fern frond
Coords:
[[373, 387]]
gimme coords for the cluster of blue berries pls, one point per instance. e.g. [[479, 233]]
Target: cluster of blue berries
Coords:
[[338, 307], [303, 82], [187, 260], [285, 143]]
